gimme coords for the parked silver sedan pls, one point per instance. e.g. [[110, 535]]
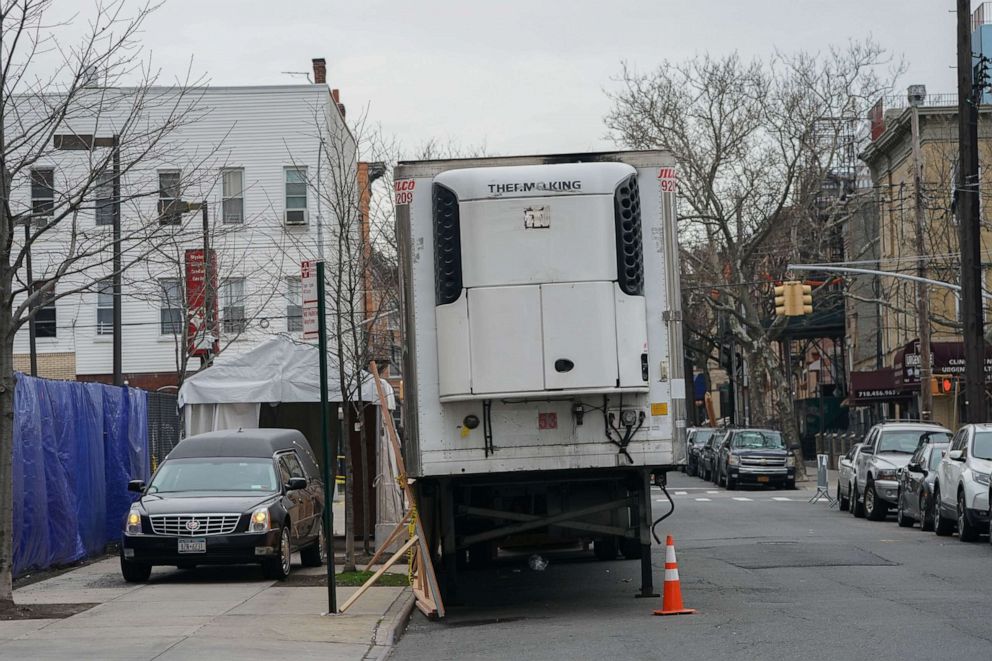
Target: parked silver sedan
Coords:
[[845, 478]]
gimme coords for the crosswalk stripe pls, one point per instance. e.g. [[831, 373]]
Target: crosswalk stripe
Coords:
[[745, 500], [703, 500]]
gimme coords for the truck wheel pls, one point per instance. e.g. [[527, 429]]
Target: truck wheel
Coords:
[[605, 548], [631, 548], [875, 507]]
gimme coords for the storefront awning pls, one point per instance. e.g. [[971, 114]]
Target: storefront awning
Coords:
[[874, 386]]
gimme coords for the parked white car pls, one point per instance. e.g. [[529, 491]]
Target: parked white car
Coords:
[[887, 448], [845, 477], [961, 489]]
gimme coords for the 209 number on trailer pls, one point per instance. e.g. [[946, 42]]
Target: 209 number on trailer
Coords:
[[403, 190]]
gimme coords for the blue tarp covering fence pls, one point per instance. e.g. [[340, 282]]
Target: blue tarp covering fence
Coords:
[[76, 446]]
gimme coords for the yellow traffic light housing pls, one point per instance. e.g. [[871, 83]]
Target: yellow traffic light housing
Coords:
[[793, 299], [805, 296], [942, 384], [781, 300]]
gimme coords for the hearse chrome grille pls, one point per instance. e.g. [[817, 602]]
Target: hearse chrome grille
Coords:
[[194, 525], [762, 461]]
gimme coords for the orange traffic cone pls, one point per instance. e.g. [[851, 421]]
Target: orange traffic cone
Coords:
[[671, 600]]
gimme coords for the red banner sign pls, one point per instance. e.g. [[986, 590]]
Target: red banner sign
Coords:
[[201, 340]]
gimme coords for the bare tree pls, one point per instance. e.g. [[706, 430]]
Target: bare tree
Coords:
[[57, 94], [756, 143]]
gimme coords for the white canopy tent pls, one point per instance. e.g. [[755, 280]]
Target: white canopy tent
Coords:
[[229, 394]]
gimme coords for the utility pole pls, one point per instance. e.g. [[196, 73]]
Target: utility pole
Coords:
[[916, 95], [116, 278], [209, 291], [969, 225], [32, 333]]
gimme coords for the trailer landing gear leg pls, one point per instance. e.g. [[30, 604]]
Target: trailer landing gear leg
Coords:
[[449, 583], [644, 528]]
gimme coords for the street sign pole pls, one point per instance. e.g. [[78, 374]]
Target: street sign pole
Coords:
[[329, 455]]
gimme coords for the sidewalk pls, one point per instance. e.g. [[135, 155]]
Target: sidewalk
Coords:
[[208, 613]]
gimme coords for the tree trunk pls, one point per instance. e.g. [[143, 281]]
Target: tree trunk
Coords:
[[349, 494], [366, 514], [7, 384]]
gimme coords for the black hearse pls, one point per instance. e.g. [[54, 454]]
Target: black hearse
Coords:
[[228, 497]]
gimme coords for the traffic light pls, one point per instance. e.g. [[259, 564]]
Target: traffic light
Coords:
[[805, 302], [942, 384], [793, 299], [781, 300]]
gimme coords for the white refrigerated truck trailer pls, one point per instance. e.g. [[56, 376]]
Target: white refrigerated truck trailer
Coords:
[[543, 350]]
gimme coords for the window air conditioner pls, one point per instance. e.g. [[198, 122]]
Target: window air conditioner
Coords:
[[296, 216]]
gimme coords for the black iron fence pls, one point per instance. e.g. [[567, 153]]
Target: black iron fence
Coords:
[[163, 426]]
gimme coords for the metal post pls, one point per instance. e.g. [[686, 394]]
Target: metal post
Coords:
[[208, 289], [32, 333], [329, 456], [969, 223], [922, 292], [116, 276]]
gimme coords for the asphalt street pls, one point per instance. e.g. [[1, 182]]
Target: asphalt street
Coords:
[[772, 576]]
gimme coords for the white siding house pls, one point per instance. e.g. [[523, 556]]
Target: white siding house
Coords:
[[257, 156]]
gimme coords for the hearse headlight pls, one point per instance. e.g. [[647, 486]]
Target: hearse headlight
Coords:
[[133, 524], [733, 460], [790, 461], [260, 520]]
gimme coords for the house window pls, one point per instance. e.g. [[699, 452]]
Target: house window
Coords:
[[45, 317], [232, 181], [105, 307], [104, 209], [168, 197], [42, 194], [232, 295], [294, 308], [296, 196], [170, 308]]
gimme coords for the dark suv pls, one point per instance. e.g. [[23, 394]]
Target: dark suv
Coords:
[[696, 440], [252, 496], [758, 456]]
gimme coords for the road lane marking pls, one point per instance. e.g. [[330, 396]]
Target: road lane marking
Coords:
[[703, 500], [780, 498], [712, 492], [681, 493], [744, 500]]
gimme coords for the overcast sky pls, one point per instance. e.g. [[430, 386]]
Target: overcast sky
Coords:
[[519, 76]]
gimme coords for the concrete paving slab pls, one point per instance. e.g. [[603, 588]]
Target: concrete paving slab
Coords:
[[106, 648], [256, 649], [17, 628], [67, 596], [355, 629], [184, 593], [306, 601]]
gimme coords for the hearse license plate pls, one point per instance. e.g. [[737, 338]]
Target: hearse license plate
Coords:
[[193, 545], [761, 478]]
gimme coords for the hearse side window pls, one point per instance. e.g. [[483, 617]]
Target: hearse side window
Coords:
[[291, 465]]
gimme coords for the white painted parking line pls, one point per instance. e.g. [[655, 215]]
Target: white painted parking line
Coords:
[[780, 498], [681, 493], [703, 500], [744, 500]]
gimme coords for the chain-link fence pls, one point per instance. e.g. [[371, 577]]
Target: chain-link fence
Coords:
[[163, 426]]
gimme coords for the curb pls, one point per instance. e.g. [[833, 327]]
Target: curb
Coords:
[[391, 627]]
